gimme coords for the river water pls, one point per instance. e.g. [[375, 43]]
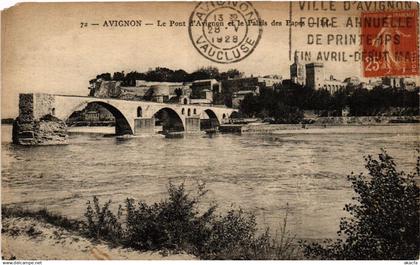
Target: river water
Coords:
[[305, 169]]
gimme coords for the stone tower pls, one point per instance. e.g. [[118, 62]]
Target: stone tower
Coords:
[[297, 72], [315, 75]]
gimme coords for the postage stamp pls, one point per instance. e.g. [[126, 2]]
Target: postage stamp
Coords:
[[225, 32], [390, 44]]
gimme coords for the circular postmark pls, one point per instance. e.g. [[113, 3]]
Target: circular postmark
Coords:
[[225, 32]]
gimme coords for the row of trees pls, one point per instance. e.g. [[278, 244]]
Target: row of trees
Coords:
[[285, 103], [162, 74]]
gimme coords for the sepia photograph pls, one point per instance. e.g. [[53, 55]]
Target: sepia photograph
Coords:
[[216, 130]]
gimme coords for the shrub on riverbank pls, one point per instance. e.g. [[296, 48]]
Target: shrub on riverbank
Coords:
[[101, 223], [384, 222], [175, 224]]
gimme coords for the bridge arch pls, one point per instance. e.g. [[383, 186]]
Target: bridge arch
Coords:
[[209, 120], [122, 126], [212, 115], [234, 115], [169, 119]]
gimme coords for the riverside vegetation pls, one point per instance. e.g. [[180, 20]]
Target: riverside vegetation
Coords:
[[383, 223], [286, 103], [175, 224]]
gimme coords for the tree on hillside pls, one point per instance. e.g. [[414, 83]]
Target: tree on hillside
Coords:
[[131, 77], [205, 73], [159, 74], [230, 74], [118, 76], [179, 76], [104, 76]]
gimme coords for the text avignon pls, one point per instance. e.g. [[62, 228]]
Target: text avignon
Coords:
[[122, 23]]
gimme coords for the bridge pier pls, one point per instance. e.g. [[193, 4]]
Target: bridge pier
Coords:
[[209, 124], [144, 126], [192, 124], [36, 123]]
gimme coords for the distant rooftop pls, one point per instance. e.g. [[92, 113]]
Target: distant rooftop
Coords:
[[153, 83], [205, 80]]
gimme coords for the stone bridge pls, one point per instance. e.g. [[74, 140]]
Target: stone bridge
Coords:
[[42, 117]]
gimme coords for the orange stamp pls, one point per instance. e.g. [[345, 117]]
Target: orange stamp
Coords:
[[390, 43]]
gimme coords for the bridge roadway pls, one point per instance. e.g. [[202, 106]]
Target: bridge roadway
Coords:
[[131, 117]]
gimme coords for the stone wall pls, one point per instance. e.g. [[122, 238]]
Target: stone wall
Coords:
[[43, 105], [26, 107], [36, 124]]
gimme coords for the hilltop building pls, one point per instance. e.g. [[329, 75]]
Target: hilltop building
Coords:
[[394, 82], [352, 81], [203, 91], [159, 91], [143, 90], [409, 83], [316, 80], [399, 82], [238, 96], [234, 90], [333, 85], [228, 92]]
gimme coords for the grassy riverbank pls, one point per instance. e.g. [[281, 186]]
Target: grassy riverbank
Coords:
[[173, 228]]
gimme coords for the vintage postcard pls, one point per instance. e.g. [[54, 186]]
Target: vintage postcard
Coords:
[[216, 130]]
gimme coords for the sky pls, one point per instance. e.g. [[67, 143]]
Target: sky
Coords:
[[44, 49]]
